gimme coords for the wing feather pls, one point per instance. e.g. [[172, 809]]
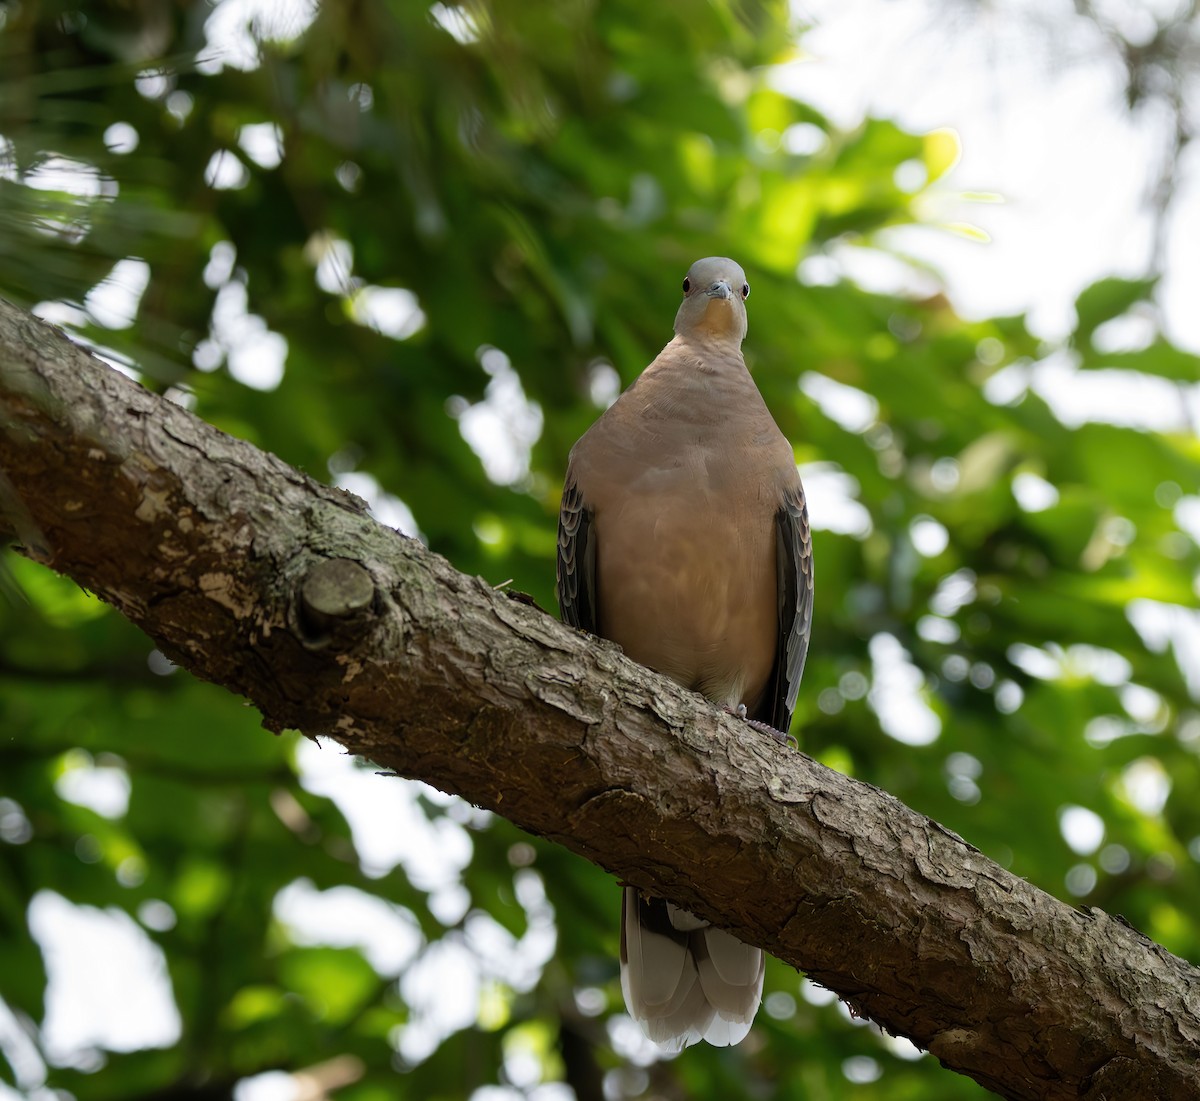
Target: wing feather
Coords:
[[575, 574], [794, 564]]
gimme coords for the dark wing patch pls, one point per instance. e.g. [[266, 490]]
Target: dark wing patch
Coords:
[[794, 566], [575, 574]]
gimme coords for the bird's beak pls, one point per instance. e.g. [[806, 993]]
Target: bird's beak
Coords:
[[720, 289]]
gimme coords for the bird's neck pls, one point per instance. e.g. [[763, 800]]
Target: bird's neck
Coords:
[[709, 350]]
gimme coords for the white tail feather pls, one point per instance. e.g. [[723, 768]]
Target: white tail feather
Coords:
[[683, 980]]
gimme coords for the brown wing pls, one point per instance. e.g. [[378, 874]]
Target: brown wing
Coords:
[[794, 564], [575, 575]]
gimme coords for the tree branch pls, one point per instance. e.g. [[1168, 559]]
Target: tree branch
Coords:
[[256, 577]]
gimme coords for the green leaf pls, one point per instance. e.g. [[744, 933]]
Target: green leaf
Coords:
[[1106, 299], [1160, 358]]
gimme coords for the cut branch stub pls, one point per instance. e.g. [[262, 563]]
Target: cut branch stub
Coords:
[[334, 594]]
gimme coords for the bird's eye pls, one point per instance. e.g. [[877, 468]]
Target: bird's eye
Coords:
[[745, 291], [687, 285]]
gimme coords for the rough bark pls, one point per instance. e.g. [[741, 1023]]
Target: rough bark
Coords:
[[254, 576]]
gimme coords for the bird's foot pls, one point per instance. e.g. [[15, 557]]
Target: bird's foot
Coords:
[[781, 736]]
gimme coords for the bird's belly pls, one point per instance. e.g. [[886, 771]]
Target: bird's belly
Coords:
[[696, 601]]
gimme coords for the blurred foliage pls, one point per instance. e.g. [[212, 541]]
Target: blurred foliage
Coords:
[[468, 224]]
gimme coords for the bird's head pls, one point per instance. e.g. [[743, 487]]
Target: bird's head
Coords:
[[714, 301]]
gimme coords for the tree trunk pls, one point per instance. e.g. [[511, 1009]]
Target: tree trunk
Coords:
[[252, 575]]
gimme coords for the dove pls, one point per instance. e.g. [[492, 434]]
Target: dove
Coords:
[[684, 538]]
